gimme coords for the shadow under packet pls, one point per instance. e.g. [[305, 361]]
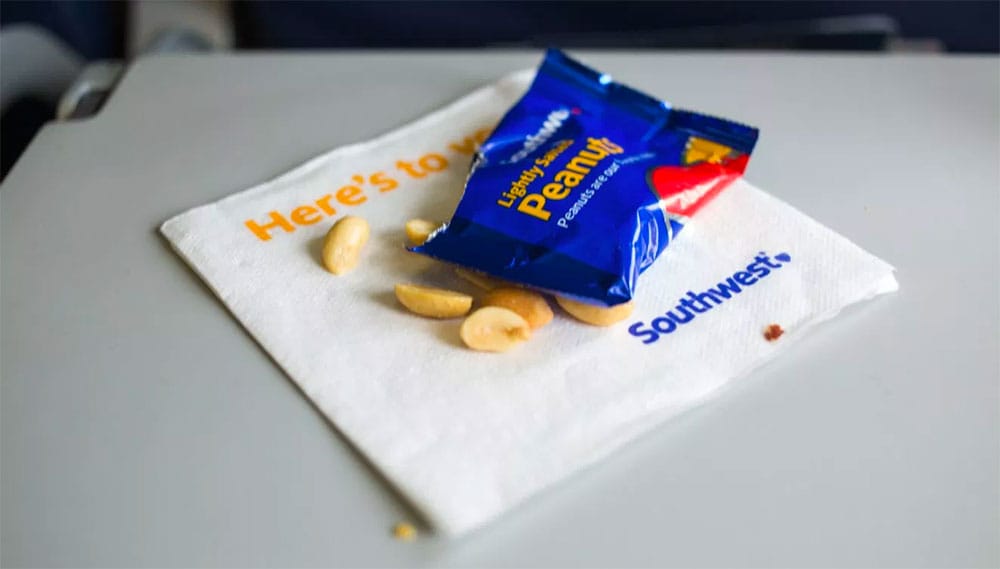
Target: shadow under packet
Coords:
[[584, 182]]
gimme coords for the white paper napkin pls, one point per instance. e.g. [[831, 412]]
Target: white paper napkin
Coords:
[[467, 435]]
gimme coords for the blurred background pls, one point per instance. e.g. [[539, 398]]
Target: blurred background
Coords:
[[59, 60]]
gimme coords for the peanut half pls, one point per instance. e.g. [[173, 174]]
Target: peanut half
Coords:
[[433, 302], [418, 230], [596, 315], [528, 304], [344, 243], [482, 280], [494, 329]]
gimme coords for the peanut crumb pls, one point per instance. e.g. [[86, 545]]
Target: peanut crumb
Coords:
[[404, 531], [773, 332]]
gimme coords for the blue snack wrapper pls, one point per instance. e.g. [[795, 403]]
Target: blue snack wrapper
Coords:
[[584, 182]]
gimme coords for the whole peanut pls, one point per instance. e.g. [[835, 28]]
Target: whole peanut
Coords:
[[344, 243]]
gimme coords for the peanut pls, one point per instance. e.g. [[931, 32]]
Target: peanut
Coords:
[[482, 280], [433, 302], [773, 332], [528, 304], [418, 230], [343, 244], [596, 315], [494, 329]]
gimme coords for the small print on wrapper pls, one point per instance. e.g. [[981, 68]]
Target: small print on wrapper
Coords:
[[584, 182]]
